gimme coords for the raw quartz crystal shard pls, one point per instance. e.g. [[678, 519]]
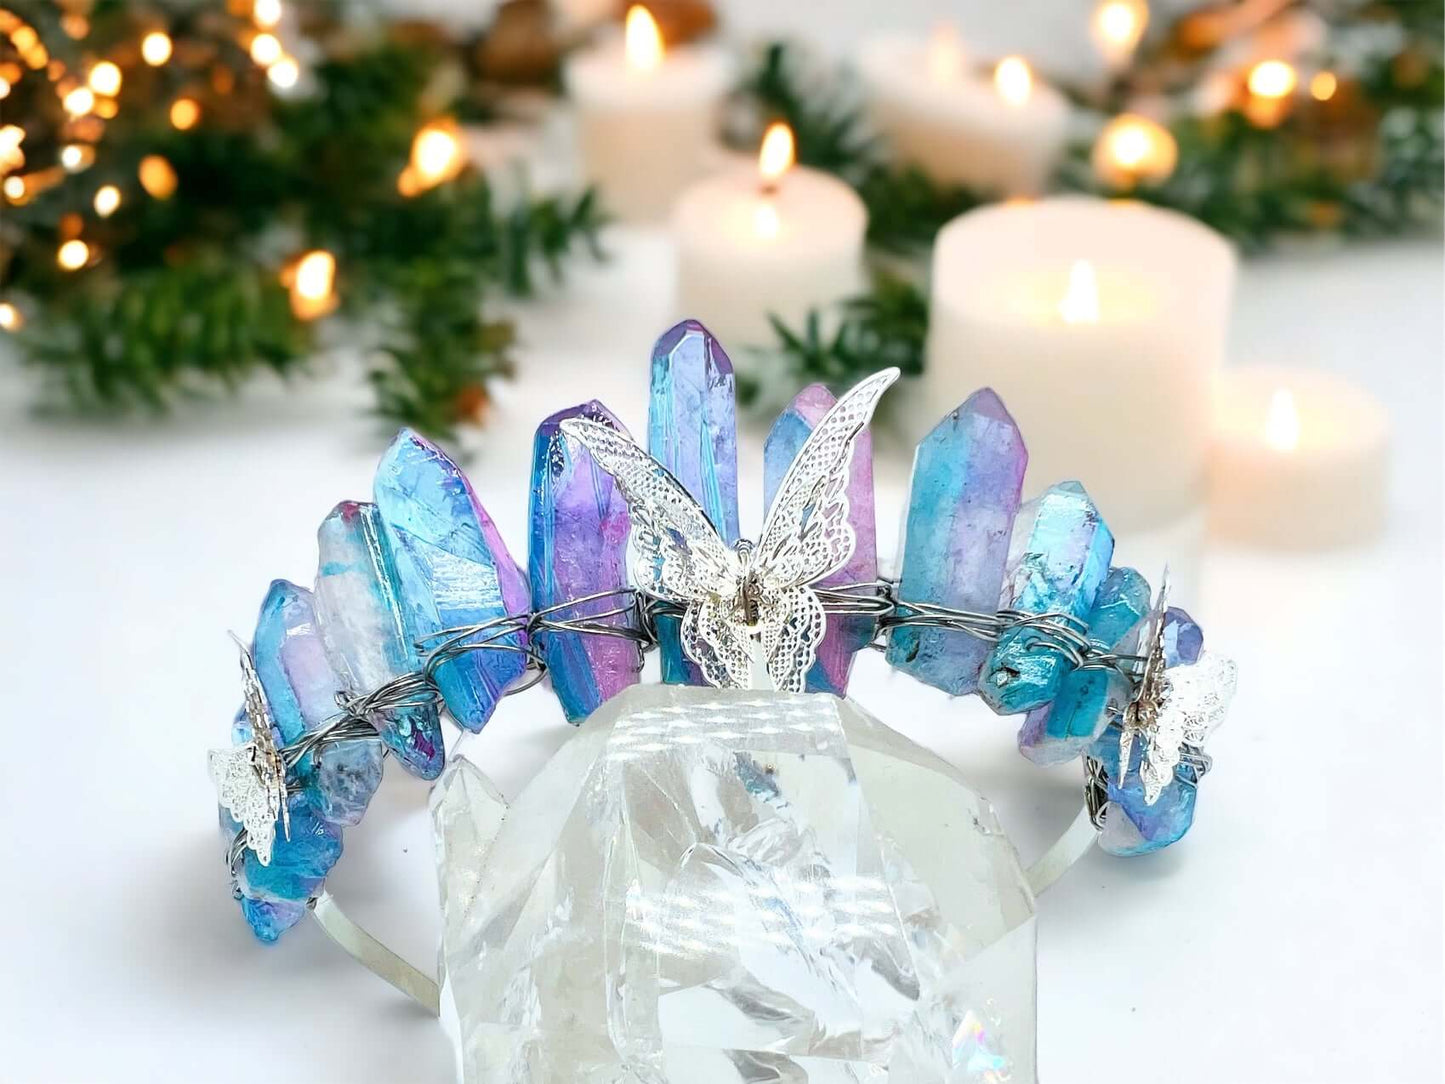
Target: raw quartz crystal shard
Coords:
[[846, 636], [453, 571], [710, 886], [1132, 825], [301, 689], [357, 605], [692, 431], [578, 549], [1058, 558], [1087, 698], [967, 477]]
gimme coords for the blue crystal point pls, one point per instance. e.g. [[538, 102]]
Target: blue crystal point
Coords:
[[301, 690], [453, 570], [1087, 699], [1132, 825], [1058, 558], [578, 548], [692, 431], [360, 614], [269, 919], [845, 636], [967, 477], [300, 861]]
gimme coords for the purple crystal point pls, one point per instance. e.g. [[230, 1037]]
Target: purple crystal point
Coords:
[[578, 549], [846, 636], [967, 478], [301, 690], [692, 431], [452, 570], [357, 606], [1058, 558]]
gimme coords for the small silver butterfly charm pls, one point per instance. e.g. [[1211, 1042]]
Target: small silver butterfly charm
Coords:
[[746, 603], [1175, 709], [251, 778]]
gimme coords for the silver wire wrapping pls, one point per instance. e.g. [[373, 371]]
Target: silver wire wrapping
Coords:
[[630, 614]]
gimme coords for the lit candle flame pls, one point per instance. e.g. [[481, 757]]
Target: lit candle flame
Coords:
[[1117, 27], [311, 281], [642, 40], [1281, 422], [1080, 303], [776, 155], [1272, 79], [945, 57], [1013, 80]]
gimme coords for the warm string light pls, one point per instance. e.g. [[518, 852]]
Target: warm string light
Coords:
[[105, 78], [73, 255], [266, 49], [107, 199], [1281, 422], [74, 157], [157, 177], [311, 281], [185, 112], [266, 13], [4, 87], [437, 155], [284, 73], [11, 319], [155, 48], [1323, 86], [79, 101], [642, 40], [11, 156], [1271, 85], [1013, 80], [1080, 303], [1117, 27], [1134, 149]]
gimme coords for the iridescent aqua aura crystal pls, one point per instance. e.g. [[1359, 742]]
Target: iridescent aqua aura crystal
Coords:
[[1058, 558], [268, 919], [356, 603], [846, 636], [301, 690], [967, 477], [453, 570], [692, 431], [1131, 825], [578, 549], [1067, 725], [300, 861]]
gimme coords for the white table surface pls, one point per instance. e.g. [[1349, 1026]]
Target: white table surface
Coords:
[[1295, 935]]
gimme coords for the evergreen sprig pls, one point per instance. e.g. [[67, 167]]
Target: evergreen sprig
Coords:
[[185, 296]]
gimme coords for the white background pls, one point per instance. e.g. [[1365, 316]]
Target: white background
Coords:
[[1295, 935]]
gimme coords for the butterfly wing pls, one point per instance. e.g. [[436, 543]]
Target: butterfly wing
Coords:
[[243, 792], [807, 535], [792, 630], [677, 554], [1195, 701]]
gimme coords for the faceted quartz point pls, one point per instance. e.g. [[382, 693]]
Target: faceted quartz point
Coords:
[[846, 636], [356, 603], [1058, 558], [967, 478], [579, 526], [692, 431], [453, 570], [709, 886], [1132, 825], [301, 690], [1063, 728]]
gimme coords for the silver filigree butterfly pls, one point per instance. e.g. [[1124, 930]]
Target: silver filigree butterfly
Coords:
[[747, 596], [1175, 709], [251, 778]]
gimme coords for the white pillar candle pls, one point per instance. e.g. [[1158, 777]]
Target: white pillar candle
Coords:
[[1000, 132], [645, 116], [1299, 459], [773, 239], [1101, 325]]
